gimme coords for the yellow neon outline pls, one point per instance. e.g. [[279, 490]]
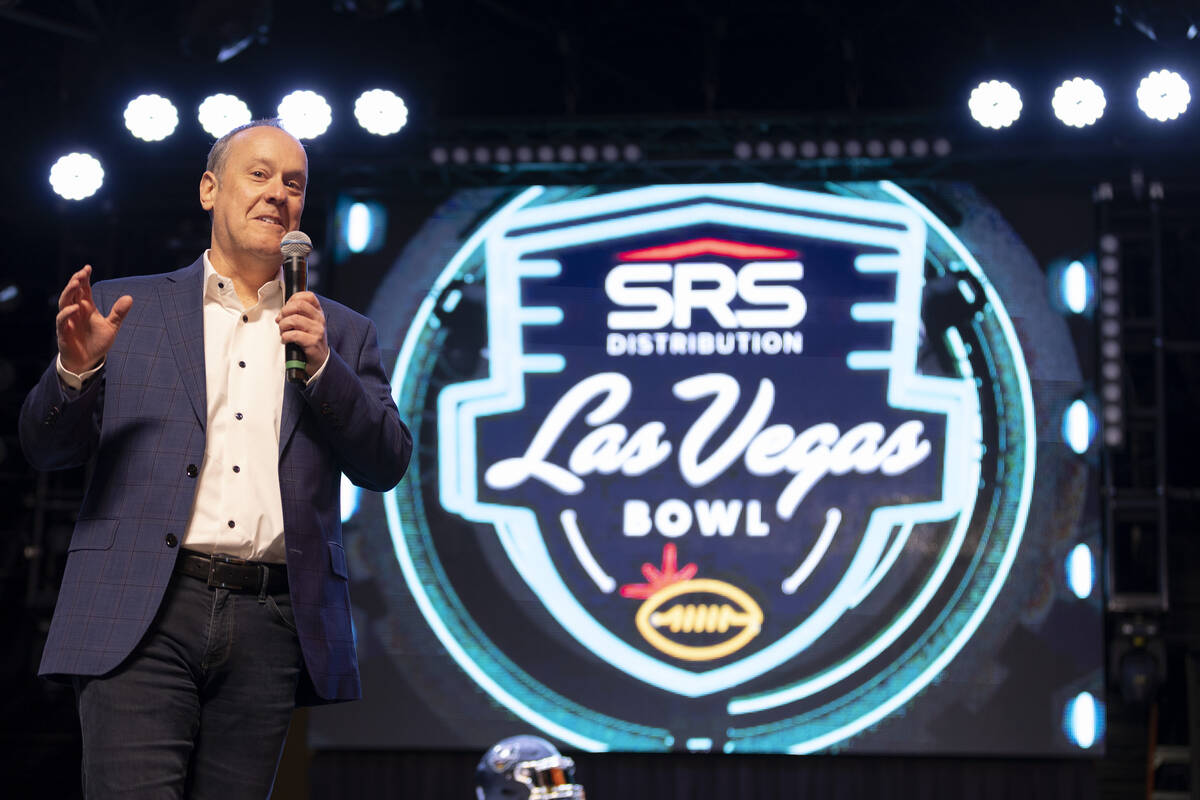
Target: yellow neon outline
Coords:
[[708, 652]]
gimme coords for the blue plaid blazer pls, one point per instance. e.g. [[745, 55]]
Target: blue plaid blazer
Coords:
[[143, 419]]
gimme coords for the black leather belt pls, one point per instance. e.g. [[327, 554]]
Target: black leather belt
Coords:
[[234, 574]]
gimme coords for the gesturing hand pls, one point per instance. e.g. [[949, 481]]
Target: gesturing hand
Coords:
[[84, 334], [301, 321]]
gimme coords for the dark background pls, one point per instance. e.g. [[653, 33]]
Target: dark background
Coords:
[[684, 82]]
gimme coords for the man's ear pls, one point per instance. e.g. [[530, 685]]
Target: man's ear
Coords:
[[208, 187]]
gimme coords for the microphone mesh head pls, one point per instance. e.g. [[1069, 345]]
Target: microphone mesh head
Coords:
[[295, 243]]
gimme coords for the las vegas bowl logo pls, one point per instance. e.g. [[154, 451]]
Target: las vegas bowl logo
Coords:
[[706, 444]]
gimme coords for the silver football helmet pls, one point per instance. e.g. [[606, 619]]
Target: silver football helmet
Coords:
[[521, 767]]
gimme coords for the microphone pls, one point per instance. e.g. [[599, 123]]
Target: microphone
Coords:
[[295, 248]]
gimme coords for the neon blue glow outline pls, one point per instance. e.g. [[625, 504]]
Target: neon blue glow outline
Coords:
[[461, 404]]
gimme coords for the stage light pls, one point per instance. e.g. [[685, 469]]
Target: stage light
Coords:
[[524, 154], [588, 153], [150, 117], [830, 149], [787, 149], [875, 148], [545, 153], [461, 155], [361, 227], [995, 104], [897, 148], [610, 152], [1078, 102], [743, 150], [852, 148], [764, 150], [221, 113], [358, 227], [941, 147], [1083, 720], [919, 148], [1075, 287], [380, 112], [631, 152], [1081, 571], [481, 154], [438, 155], [566, 153], [76, 176], [504, 154], [809, 149], [305, 114], [1079, 427], [1163, 95]]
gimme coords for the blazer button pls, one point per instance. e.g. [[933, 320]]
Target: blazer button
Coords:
[[192, 471], [171, 540]]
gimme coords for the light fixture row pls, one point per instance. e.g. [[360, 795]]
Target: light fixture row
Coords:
[[545, 153], [787, 150], [1162, 95], [305, 114]]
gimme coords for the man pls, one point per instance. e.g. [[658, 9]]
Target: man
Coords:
[[205, 592]]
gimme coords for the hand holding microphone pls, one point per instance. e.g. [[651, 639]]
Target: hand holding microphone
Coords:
[[301, 321]]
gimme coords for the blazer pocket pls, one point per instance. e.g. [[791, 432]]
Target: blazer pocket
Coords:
[[337, 560], [93, 534]]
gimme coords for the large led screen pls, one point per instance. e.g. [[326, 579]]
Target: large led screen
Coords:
[[731, 468]]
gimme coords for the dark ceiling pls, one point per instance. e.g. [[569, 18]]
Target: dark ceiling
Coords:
[[63, 61]]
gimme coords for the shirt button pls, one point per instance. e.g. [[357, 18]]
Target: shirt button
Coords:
[[192, 471], [242, 364], [236, 468], [238, 415], [231, 523], [220, 285], [245, 318], [170, 540]]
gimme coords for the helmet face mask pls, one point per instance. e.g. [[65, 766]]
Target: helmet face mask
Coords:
[[550, 778], [521, 767]]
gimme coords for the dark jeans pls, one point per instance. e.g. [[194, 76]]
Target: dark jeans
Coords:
[[201, 708]]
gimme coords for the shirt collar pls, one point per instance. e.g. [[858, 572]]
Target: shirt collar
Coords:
[[214, 290]]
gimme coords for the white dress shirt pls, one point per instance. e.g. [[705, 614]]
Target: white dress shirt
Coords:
[[237, 510]]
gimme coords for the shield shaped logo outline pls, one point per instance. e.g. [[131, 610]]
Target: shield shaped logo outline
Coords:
[[587, 221]]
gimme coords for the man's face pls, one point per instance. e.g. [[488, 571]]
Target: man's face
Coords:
[[258, 195]]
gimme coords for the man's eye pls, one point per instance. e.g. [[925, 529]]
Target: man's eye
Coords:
[[258, 173]]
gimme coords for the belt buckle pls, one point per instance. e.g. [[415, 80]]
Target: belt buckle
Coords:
[[221, 558]]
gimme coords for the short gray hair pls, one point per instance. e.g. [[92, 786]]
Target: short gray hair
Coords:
[[219, 151]]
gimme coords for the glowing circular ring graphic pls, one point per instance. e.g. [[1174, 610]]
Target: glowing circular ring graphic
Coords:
[[508, 684]]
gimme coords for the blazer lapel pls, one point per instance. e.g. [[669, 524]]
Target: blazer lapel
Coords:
[[183, 309]]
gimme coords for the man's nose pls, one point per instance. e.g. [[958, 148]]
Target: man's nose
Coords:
[[276, 191]]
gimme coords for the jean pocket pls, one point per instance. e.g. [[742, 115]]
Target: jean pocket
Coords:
[[283, 612]]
